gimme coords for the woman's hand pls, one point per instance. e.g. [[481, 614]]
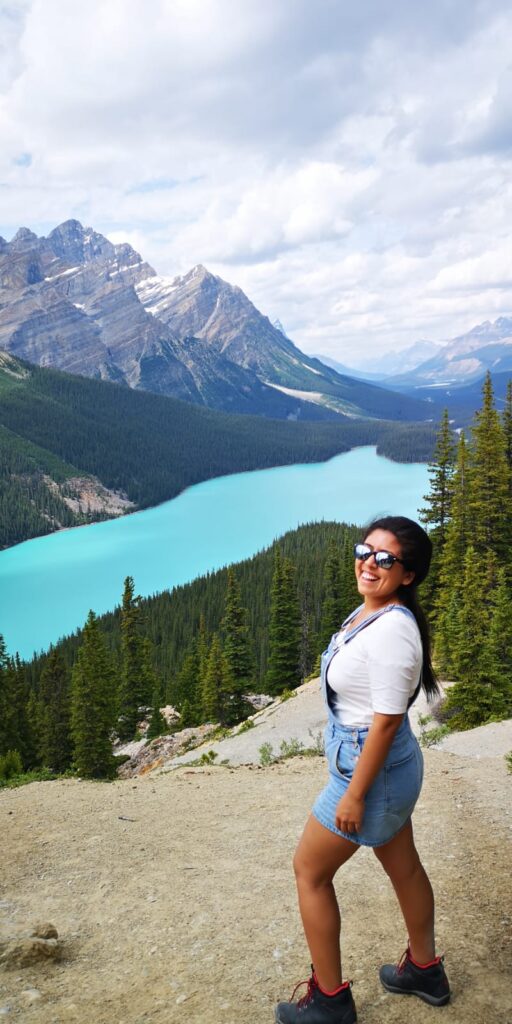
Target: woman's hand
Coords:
[[349, 813]]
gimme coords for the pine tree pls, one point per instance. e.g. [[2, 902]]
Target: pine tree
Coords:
[[332, 605], [350, 597], [157, 723], [447, 636], [472, 699], [308, 640], [187, 686], [213, 683], [437, 512], [189, 716], [498, 647], [93, 705], [507, 425], [284, 629], [15, 730], [489, 480], [8, 732], [56, 745], [450, 569], [203, 649], [236, 648], [137, 680], [35, 715], [473, 618]]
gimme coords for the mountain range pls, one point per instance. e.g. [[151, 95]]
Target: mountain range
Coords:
[[465, 359], [380, 368], [75, 301]]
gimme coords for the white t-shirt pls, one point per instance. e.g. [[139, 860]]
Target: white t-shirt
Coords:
[[377, 670]]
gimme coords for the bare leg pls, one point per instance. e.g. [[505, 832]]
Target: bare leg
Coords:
[[318, 856], [401, 862]]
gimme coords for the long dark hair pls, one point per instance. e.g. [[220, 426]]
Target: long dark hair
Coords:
[[416, 551]]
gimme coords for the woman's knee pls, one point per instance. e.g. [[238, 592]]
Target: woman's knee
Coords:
[[400, 861], [308, 872]]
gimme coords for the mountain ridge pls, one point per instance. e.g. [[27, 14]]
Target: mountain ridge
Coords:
[[82, 304]]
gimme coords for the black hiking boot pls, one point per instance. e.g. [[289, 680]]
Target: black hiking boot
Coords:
[[408, 978], [315, 1007]]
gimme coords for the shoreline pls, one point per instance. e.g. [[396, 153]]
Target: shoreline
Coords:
[[220, 476]]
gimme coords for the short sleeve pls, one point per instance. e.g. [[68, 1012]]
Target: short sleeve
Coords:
[[394, 661]]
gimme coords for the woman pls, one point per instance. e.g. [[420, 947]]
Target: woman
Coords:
[[371, 673]]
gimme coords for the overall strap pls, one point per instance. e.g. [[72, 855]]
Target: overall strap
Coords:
[[371, 618], [337, 641]]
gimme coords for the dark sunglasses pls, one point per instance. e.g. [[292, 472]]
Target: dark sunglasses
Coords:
[[383, 559]]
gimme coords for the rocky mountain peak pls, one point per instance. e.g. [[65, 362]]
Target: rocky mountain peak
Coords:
[[198, 276], [23, 238], [279, 327], [73, 243]]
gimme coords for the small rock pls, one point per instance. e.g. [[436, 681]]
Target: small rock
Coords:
[[31, 995], [181, 999], [45, 930], [26, 952], [4, 1010]]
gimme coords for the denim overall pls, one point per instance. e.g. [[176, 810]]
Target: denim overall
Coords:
[[391, 798]]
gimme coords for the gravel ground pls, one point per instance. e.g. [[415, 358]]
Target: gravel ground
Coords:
[[174, 899]]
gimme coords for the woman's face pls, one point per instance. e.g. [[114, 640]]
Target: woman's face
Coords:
[[375, 582]]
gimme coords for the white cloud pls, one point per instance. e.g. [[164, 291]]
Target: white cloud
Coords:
[[348, 166]]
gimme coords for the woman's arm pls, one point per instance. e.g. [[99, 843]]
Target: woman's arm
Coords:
[[350, 809]]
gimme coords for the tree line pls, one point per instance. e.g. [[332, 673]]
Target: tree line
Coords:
[[469, 515], [71, 716]]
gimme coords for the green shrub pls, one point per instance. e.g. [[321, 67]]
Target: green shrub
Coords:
[[508, 761], [428, 737], [266, 755], [10, 765], [245, 726], [291, 748], [208, 757], [34, 775], [287, 695]]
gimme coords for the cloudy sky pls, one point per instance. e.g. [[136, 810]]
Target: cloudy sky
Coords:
[[347, 164]]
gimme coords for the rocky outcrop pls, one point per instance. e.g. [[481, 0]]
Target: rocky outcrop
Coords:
[[68, 301]]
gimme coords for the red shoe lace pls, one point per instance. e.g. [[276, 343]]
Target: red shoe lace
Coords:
[[407, 958], [305, 999], [403, 961], [312, 984]]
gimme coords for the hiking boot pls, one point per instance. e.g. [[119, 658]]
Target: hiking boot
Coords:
[[316, 1007], [428, 981]]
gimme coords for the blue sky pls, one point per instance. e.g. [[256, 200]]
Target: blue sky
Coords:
[[348, 165]]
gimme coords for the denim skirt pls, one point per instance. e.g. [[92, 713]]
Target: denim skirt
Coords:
[[391, 798]]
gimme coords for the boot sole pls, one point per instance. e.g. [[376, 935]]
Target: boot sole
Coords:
[[279, 1021], [432, 1000]]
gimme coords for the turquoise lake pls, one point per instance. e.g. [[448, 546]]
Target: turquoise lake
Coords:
[[48, 585]]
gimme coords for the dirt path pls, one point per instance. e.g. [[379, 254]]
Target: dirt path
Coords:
[[188, 911]]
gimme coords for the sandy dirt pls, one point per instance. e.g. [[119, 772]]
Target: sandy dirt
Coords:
[[174, 898]]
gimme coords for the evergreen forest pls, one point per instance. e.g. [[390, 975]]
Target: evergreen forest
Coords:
[[259, 626]]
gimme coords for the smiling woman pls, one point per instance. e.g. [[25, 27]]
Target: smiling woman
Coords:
[[371, 674]]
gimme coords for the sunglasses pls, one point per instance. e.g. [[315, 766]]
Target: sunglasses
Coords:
[[383, 559]]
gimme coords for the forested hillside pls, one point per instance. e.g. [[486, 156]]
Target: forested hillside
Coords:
[[172, 619], [148, 447], [261, 625]]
